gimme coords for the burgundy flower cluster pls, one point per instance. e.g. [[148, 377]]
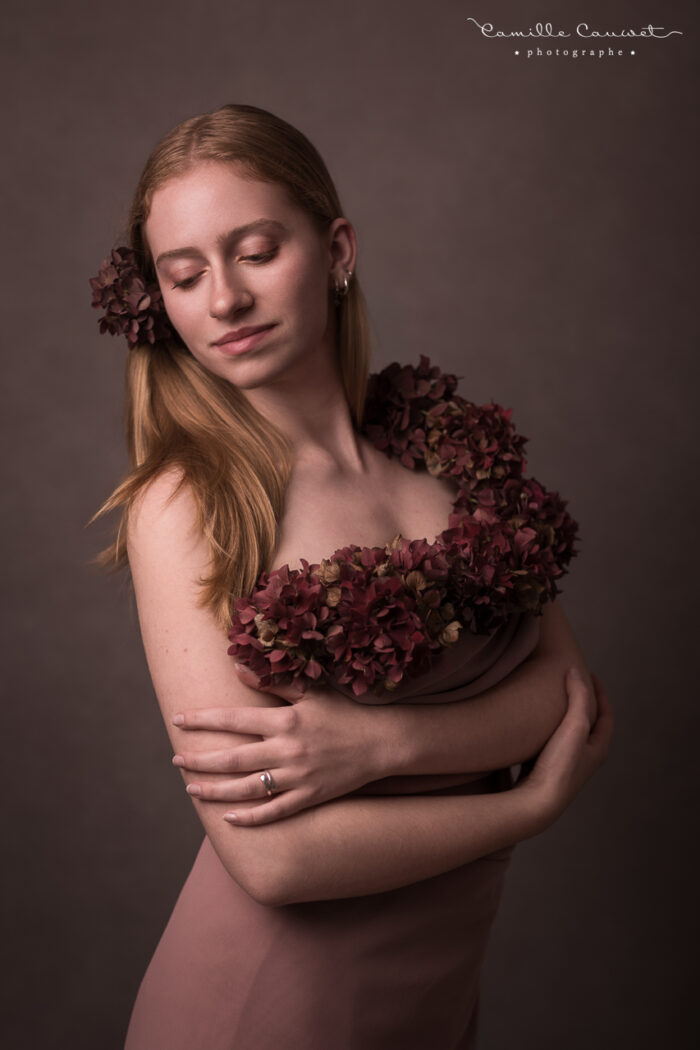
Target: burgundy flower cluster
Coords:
[[133, 306], [413, 412], [368, 616], [363, 617]]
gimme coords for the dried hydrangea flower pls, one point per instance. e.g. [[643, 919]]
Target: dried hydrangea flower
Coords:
[[369, 616], [413, 413], [133, 305]]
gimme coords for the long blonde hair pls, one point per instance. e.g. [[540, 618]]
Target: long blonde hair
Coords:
[[178, 414]]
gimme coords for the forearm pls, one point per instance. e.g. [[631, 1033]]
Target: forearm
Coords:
[[356, 846], [502, 726]]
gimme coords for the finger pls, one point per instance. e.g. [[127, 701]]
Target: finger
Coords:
[[244, 789], [581, 676], [579, 697], [568, 741], [288, 803], [251, 721], [291, 691], [245, 758], [602, 731]]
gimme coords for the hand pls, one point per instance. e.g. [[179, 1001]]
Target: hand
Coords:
[[576, 749], [320, 747]]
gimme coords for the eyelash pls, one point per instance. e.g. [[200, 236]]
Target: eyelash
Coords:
[[259, 257]]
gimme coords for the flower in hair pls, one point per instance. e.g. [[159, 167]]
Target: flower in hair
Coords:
[[133, 305], [368, 616]]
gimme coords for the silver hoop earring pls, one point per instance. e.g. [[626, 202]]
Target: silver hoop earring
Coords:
[[340, 293]]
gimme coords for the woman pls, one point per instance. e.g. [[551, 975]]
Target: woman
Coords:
[[360, 919]]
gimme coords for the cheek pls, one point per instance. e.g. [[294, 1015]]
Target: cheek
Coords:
[[184, 313], [306, 294]]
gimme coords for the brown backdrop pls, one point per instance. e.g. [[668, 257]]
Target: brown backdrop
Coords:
[[526, 222]]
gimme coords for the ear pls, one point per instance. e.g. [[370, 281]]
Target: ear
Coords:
[[342, 248]]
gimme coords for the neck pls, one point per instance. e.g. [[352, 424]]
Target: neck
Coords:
[[308, 404]]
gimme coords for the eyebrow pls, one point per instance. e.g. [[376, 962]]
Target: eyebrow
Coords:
[[223, 238]]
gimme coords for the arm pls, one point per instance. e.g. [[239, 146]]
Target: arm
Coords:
[[502, 726], [379, 845], [352, 847], [327, 746], [348, 847]]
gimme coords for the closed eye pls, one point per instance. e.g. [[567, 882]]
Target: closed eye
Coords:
[[187, 283], [259, 257]]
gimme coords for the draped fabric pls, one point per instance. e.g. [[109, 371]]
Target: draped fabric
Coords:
[[394, 969]]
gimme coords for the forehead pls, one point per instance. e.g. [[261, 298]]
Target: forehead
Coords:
[[196, 206]]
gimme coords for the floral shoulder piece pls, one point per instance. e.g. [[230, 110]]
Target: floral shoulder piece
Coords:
[[367, 616]]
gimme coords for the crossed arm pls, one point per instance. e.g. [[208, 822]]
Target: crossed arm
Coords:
[[325, 746], [347, 846], [502, 726]]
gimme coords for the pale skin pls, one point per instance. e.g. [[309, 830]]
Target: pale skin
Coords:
[[330, 746], [341, 491]]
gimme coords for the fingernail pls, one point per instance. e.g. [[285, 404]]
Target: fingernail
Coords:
[[575, 673], [193, 789], [178, 720], [178, 760], [231, 817], [244, 672]]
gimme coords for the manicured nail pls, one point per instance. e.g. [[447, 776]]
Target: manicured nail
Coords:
[[231, 817], [178, 720], [178, 760], [193, 789]]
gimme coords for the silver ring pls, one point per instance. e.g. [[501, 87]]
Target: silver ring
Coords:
[[268, 782]]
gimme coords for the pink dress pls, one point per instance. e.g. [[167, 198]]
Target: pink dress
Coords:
[[395, 969]]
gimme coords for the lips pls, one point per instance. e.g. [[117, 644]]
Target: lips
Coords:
[[242, 340], [241, 333]]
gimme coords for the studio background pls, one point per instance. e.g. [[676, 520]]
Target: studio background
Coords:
[[529, 224]]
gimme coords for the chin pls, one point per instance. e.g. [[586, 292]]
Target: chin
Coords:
[[251, 370], [262, 367]]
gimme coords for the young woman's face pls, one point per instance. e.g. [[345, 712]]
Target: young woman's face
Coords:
[[233, 253]]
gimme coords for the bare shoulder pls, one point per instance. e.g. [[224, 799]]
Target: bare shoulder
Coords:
[[186, 649], [164, 508], [168, 555]]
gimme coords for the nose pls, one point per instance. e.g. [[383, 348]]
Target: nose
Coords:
[[228, 292]]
